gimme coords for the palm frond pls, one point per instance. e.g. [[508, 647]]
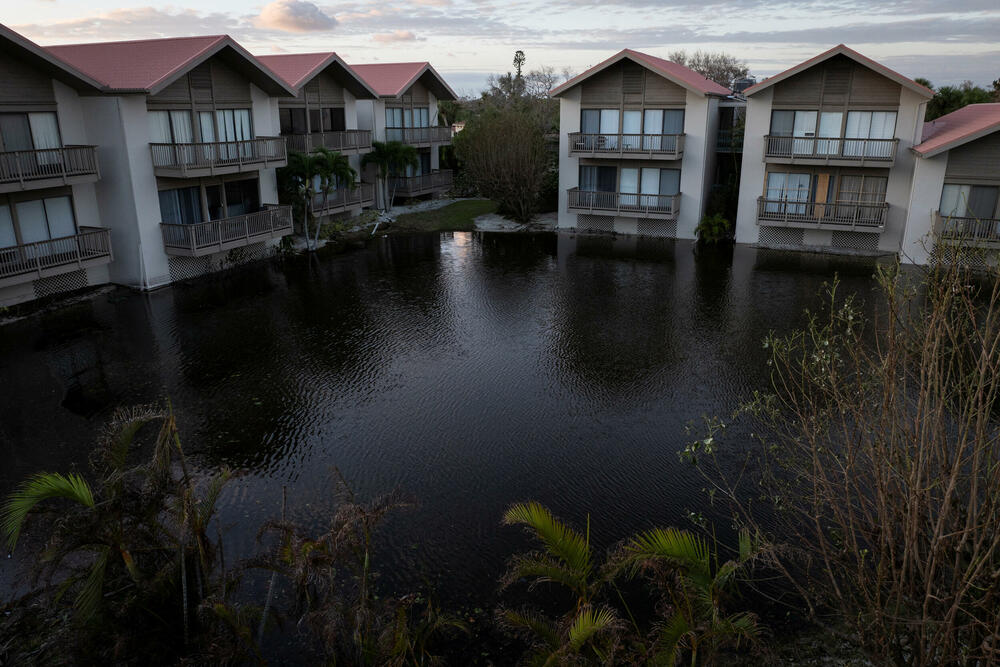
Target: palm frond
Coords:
[[42, 486], [88, 600], [536, 625], [679, 548], [668, 643], [588, 624], [541, 568], [122, 429], [559, 539], [738, 626]]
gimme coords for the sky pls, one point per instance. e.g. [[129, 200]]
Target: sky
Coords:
[[466, 40]]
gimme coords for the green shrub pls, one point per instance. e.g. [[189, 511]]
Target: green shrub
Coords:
[[713, 228]]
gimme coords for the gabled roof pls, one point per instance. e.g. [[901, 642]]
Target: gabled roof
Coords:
[[298, 69], [394, 79], [679, 74], [24, 49], [842, 50], [150, 65], [959, 127]]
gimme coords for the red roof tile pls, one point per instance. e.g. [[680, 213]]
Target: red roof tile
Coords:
[[150, 64], [298, 69], [959, 127], [841, 49], [392, 79], [679, 74]]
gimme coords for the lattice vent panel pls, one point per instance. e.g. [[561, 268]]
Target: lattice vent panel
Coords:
[[661, 228], [780, 236], [64, 282], [855, 240], [595, 223]]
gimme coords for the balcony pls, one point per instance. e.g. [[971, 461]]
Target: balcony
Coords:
[[419, 136], [47, 167], [847, 152], [218, 157], [976, 232], [347, 142], [639, 146], [662, 207], [91, 246], [207, 238], [728, 141], [414, 186], [345, 199], [852, 216]]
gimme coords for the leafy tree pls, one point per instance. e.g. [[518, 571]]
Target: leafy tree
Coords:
[[716, 66], [390, 159], [334, 172], [297, 185], [951, 98], [518, 62]]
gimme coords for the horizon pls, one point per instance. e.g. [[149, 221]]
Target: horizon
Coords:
[[467, 40]]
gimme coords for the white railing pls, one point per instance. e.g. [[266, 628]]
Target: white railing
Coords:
[[208, 155], [968, 229], [418, 135], [836, 149], [344, 140], [625, 203], [634, 145], [32, 258], [343, 198], [46, 163], [416, 185], [219, 235], [808, 213]]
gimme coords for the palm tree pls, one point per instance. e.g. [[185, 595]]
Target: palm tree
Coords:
[[588, 632], [682, 563], [333, 171], [390, 158]]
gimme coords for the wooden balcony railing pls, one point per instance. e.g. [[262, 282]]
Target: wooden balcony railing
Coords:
[[225, 156], [344, 141], [344, 198], [26, 168], [967, 229], [627, 145], [418, 135], [21, 263], [856, 215], [411, 186], [728, 141], [881, 151], [625, 203], [205, 238]]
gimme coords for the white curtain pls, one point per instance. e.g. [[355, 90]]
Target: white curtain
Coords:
[[954, 200], [609, 127], [7, 236], [45, 134], [59, 211], [180, 121], [652, 126], [829, 133], [650, 186], [159, 127], [804, 130], [629, 186], [631, 127], [869, 125]]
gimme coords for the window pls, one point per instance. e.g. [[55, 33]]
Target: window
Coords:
[[598, 179], [293, 121], [394, 124], [969, 201], [334, 120], [787, 187], [648, 186], [242, 197], [862, 125], [29, 131], [603, 123], [856, 191], [8, 238], [34, 221], [181, 206], [223, 200], [798, 126], [170, 127], [659, 122]]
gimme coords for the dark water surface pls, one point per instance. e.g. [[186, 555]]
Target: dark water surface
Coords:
[[471, 370]]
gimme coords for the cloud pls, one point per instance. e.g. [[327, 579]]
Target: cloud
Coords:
[[137, 23], [395, 36], [432, 3], [294, 16]]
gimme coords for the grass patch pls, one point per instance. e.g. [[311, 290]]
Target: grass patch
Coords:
[[458, 216]]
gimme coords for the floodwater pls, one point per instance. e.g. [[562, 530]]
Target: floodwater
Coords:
[[470, 370]]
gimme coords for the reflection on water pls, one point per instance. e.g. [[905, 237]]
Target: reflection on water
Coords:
[[472, 370]]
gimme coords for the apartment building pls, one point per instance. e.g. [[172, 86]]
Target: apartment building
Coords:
[[187, 131], [406, 110], [955, 199], [826, 155], [51, 233], [637, 146], [324, 114]]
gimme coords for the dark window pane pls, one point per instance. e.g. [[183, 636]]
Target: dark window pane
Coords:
[[673, 121], [338, 122], [590, 121], [242, 197], [782, 123], [315, 122], [15, 132], [982, 201], [285, 118], [607, 179]]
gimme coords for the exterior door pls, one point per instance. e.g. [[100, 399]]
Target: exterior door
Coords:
[[631, 129], [804, 131]]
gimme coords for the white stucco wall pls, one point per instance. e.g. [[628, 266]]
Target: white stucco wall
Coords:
[[758, 124], [694, 165], [909, 123], [569, 167], [925, 197]]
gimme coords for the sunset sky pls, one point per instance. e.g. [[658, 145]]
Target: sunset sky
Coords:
[[466, 40]]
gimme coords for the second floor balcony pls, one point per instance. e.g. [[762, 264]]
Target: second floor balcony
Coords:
[[90, 246], [347, 142], [815, 150], [629, 204], [344, 199], [838, 215], [978, 232], [424, 184], [207, 238], [640, 146], [218, 157], [419, 136], [47, 167]]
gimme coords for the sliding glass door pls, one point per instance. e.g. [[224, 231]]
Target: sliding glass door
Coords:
[[785, 192], [867, 125]]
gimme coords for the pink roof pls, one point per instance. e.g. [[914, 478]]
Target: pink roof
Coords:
[[22, 48], [679, 74], [393, 79], [298, 69], [844, 50], [959, 127], [149, 65]]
